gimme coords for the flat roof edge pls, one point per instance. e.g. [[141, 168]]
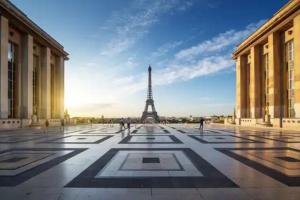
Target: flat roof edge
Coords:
[[286, 10], [22, 17]]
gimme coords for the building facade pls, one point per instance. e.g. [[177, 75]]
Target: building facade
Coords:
[[31, 72], [268, 72]]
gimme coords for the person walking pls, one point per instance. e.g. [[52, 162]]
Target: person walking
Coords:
[[122, 124], [128, 123], [62, 123], [46, 126], [201, 124]]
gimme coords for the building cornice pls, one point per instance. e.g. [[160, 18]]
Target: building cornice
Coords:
[[22, 18], [291, 7]]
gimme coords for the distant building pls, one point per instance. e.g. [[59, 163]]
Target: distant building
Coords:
[[32, 71], [268, 72]]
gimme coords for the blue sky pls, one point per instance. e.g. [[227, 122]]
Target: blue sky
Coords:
[[112, 42]]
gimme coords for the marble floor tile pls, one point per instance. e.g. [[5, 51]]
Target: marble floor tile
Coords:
[[174, 161]]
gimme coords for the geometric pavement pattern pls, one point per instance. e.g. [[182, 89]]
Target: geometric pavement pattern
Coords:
[[241, 163]]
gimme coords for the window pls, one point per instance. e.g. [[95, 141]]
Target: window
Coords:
[[11, 79], [291, 77]]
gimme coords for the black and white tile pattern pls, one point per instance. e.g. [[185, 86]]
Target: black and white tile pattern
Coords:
[[170, 168], [282, 164], [18, 165], [177, 161]]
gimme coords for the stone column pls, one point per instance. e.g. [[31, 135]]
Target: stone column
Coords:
[[45, 83], [3, 67], [297, 64], [27, 70], [240, 87], [274, 75], [61, 86], [54, 87], [255, 90]]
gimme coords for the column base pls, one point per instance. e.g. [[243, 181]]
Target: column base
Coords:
[[238, 121], [42, 122], [287, 123], [10, 123], [253, 122], [21, 123], [291, 123]]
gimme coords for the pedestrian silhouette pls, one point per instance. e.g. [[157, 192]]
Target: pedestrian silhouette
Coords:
[[128, 123], [122, 124], [201, 124]]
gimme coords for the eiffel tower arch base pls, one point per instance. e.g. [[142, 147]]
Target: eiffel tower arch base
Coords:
[[152, 115]]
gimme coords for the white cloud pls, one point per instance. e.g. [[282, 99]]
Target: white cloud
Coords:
[[185, 5], [176, 73], [219, 42], [189, 63], [117, 46], [128, 28], [165, 48], [202, 67]]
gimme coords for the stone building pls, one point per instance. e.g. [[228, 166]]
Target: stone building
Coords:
[[268, 72], [32, 71]]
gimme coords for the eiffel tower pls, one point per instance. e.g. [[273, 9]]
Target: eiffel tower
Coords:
[[150, 102]]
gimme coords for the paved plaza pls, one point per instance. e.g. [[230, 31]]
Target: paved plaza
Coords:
[[174, 161]]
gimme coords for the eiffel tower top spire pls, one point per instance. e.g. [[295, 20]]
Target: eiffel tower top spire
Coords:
[[150, 95]]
